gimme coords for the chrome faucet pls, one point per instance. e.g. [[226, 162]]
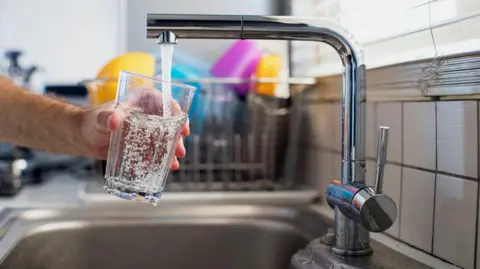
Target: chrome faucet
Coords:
[[359, 209]]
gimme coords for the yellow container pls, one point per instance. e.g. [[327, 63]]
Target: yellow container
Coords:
[[136, 62], [109, 90], [104, 88], [268, 67]]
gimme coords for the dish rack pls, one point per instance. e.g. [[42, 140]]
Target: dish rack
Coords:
[[238, 143]]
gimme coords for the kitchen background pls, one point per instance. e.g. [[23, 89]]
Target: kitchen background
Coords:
[[423, 82]]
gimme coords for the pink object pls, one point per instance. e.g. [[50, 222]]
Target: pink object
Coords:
[[239, 61]]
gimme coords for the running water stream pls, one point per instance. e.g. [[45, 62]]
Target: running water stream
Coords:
[[167, 56]]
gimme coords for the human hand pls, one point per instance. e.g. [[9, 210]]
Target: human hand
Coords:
[[100, 121]]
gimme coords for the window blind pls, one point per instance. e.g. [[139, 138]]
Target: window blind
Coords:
[[390, 31]]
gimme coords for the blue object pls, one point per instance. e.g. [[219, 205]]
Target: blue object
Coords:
[[197, 108], [200, 67]]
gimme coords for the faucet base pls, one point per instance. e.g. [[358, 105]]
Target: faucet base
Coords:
[[348, 237], [357, 253], [329, 239]]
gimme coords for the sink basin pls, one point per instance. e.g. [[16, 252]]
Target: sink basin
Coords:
[[168, 236]]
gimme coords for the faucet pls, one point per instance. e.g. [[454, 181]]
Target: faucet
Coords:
[[359, 209]]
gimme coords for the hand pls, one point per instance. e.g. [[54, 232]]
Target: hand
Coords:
[[100, 121]]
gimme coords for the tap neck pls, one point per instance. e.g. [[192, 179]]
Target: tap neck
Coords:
[[189, 26], [290, 28]]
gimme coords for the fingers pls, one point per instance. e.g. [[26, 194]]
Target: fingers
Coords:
[[186, 128], [107, 120], [114, 121], [179, 153], [175, 164], [150, 101], [176, 109], [180, 148], [103, 121]]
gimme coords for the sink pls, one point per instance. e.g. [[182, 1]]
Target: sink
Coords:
[[131, 235]]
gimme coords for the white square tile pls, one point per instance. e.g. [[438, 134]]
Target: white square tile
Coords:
[[337, 126], [419, 134], [390, 114], [465, 7], [457, 138], [392, 187], [455, 220], [462, 30], [370, 175], [371, 130], [416, 218], [400, 49]]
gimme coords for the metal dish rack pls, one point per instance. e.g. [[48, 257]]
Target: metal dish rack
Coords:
[[238, 145]]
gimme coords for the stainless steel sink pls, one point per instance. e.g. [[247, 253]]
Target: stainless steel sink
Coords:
[[130, 235]]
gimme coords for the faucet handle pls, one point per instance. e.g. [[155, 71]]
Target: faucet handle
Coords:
[[375, 210], [378, 211], [381, 157]]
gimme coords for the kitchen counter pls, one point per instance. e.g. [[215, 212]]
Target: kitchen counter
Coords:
[[67, 190], [61, 190]]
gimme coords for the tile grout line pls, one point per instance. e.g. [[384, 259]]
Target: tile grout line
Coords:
[[421, 250], [401, 172], [435, 179], [475, 253], [330, 150]]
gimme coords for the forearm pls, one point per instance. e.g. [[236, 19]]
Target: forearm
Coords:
[[39, 122]]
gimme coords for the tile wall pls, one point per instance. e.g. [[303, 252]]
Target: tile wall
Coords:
[[432, 170]]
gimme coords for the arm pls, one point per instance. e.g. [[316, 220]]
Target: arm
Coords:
[[39, 122], [43, 123]]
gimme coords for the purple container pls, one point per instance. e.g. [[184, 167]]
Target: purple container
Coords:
[[239, 61]]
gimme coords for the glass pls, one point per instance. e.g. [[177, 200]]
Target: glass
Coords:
[[142, 149]]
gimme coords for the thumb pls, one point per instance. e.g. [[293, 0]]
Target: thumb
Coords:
[[103, 121]]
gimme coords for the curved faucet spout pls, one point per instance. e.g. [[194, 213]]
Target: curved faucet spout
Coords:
[[187, 26], [351, 237]]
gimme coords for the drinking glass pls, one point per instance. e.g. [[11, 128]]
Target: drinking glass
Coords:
[[142, 149]]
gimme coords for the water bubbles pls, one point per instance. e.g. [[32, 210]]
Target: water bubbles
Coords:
[[144, 152]]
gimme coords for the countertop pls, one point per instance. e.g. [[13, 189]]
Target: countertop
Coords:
[[60, 190]]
